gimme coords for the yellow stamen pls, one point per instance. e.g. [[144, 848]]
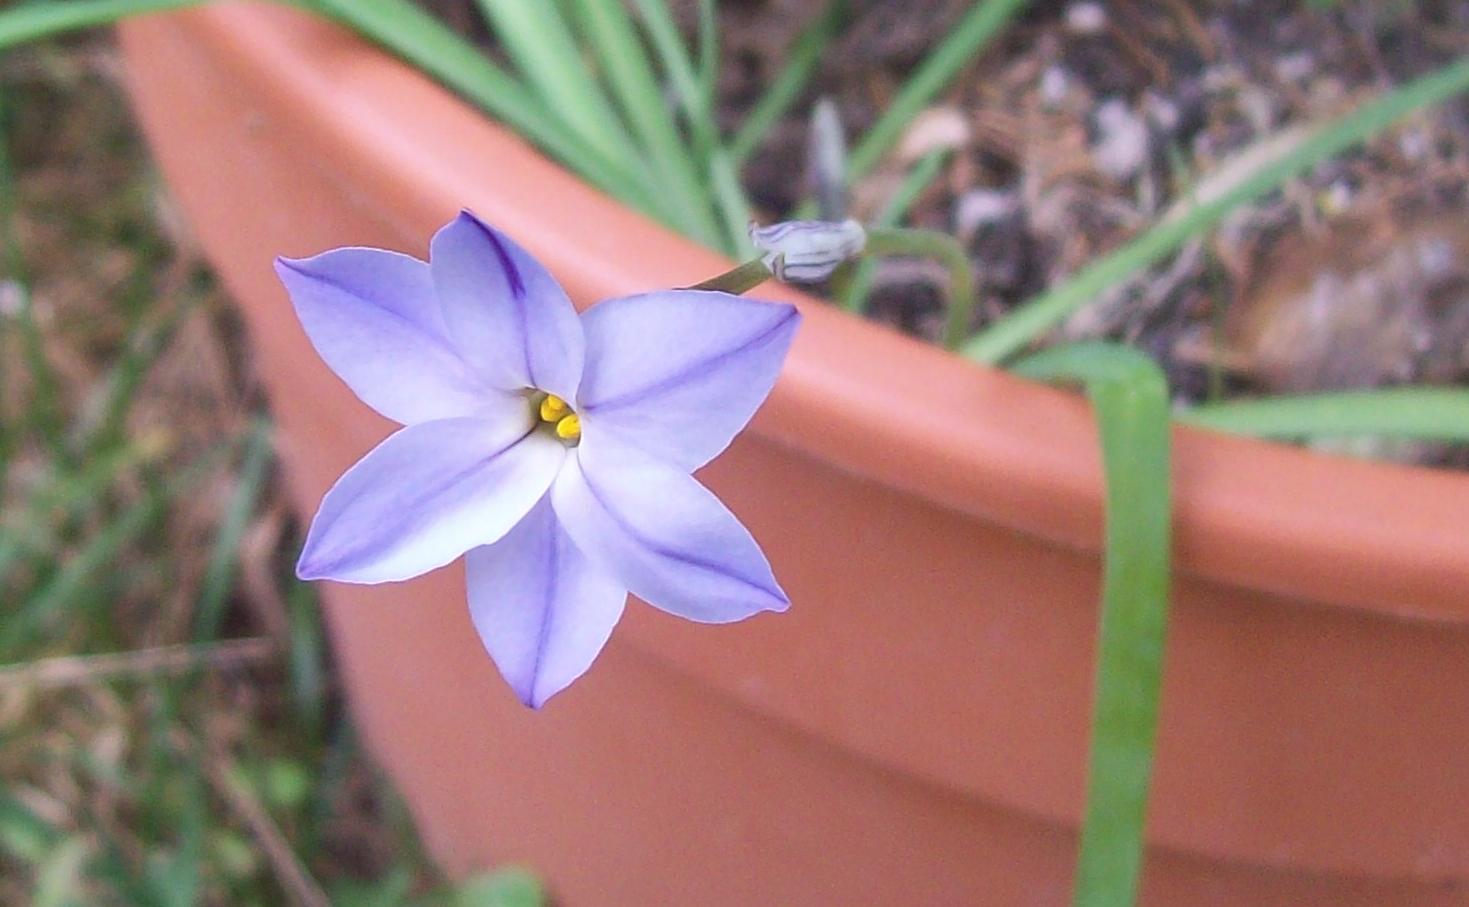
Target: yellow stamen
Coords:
[[553, 408], [569, 428]]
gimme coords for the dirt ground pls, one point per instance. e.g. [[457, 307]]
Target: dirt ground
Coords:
[[1086, 122]]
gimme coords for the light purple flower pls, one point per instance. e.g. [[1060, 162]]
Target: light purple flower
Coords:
[[552, 449]]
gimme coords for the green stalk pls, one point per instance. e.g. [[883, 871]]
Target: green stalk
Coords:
[[536, 37], [422, 40], [941, 247], [734, 207], [663, 32], [854, 295], [35, 21], [615, 40], [737, 280], [970, 36], [1130, 396], [1419, 413], [1014, 332], [805, 55]]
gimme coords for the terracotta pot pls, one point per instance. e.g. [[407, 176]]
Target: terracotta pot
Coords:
[[913, 730]]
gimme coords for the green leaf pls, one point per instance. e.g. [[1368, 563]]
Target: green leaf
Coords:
[[801, 61], [1014, 332], [679, 68], [537, 39], [34, 21], [962, 46], [1130, 396], [220, 574], [613, 37], [502, 888], [854, 295], [59, 878], [1420, 413]]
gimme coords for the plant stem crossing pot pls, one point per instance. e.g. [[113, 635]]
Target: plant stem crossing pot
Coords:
[[914, 728]]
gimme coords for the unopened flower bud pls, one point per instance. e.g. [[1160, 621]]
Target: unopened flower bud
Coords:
[[807, 251]]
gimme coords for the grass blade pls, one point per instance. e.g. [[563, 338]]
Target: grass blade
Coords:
[[78, 573], [663, 32], [969, 36], [1014, 332], [422, 40], [613, 37], [709, 53], [733, 205], [788, 84], [537, 39], [1130, 396], [698, 111], [34, 21], [1419, 413], [219, 575], [854, 297], [44, 413]]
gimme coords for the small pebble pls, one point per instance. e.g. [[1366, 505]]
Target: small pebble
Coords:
[[1295, 67], [1086, 18], [1054, 85], [982, 207], [10, 298], [1121, 148]]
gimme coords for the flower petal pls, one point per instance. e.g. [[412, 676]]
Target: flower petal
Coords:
[[426, 495], [374, 318], [662, 534], [506, 314], [541, 608], [679, 373]]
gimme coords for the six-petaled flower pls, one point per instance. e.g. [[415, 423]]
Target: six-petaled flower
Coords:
[[552, 449]]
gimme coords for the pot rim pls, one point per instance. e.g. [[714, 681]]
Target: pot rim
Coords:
[[1375, 537]]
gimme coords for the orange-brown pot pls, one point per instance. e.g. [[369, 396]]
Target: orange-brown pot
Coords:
[[914, 729]]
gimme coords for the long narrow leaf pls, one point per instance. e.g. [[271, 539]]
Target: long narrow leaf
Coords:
[[1013, 333], [44, 416], [788, 84], [613, 37], [978, 27], [538, 40], [854, 296], [1420, 413], [1130, 396], [34, 21], [219, 575], [658, 20]]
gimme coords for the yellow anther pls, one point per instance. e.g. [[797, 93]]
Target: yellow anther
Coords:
[[569, 428], [553, 408]]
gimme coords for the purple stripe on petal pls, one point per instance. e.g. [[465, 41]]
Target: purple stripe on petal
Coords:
[[506, 315], [679, 373], [662, 534], [374, 319], [425, 496], [541, 608]]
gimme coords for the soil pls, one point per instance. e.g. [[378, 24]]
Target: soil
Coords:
[[1087, 121]]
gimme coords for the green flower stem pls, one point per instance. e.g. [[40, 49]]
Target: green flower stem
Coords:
[[1130, 395], [746, 277], [1017, 330], [941, 247], [854, 294]]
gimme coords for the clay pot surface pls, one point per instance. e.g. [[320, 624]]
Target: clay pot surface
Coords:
[[913, 730]]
